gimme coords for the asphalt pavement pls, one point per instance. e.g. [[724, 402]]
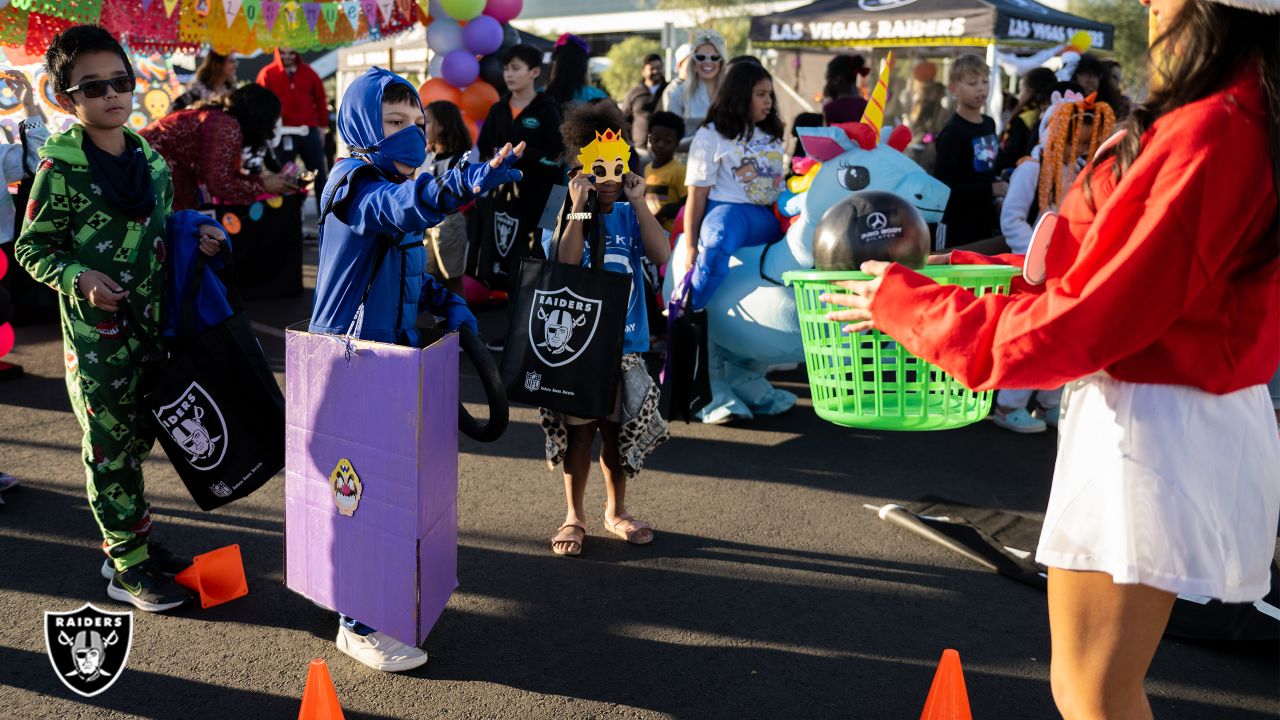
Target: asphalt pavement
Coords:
[[769, 592]]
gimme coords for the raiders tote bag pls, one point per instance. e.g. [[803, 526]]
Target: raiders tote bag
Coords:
[[564, 343], [216, 407]]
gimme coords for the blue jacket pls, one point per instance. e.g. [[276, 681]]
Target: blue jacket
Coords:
[[365, 209], [211, 306]]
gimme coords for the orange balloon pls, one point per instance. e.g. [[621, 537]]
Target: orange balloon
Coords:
[[437, 89], [473, 128], [477, 99]]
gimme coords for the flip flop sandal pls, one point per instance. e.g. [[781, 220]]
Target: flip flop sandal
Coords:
[[628, 533], [559, 539]]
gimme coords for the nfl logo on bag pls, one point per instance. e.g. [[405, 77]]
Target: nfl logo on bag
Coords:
[[532, 381]]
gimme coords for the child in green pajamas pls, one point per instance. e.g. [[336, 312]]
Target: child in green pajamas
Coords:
[[95, 231]]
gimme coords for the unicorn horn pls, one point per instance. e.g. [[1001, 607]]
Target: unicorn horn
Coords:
[[874, 114]]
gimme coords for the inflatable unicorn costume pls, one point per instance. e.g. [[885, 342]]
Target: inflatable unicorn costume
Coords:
[[752, 317]]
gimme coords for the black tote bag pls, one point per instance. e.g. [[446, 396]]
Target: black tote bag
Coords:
[[564, 344], [216, 407], [686, 380]]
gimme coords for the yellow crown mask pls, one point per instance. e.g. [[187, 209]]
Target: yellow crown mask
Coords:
[[607, 158]]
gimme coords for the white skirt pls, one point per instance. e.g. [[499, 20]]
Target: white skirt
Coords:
[[1167, 486]]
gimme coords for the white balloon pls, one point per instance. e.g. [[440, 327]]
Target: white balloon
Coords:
[[436, 67], [444, 36]]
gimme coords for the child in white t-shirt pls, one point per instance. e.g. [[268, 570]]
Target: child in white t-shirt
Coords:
[[735, 174]]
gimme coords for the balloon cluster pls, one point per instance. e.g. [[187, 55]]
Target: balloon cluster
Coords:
[[467, 38]]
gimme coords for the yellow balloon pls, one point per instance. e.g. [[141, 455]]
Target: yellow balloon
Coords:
[[1082, 41]]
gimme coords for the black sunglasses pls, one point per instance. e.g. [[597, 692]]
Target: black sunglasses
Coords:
[[704, 58], [98, 88]]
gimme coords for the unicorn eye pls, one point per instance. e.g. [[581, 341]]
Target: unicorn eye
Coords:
[[854, 177]]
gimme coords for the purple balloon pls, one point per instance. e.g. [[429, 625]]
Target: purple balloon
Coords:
[[482, 35], [504, 11], [460, 68]]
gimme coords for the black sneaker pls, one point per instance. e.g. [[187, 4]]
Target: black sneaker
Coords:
[[165, 562], [147, 589]]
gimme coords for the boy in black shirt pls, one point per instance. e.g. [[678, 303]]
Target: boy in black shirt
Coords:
[[967, 148], [521, 115]]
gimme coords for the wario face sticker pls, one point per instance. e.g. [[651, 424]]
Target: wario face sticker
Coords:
[[347, 488], [195, 423], [607, 158], [88, 647], [561, 325]]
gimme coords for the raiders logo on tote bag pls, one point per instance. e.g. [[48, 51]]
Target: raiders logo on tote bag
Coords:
[[564, 343]]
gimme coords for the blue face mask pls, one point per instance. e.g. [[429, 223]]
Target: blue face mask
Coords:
[[360, 124]]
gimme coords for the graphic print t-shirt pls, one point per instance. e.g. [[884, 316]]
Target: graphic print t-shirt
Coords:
[[737, 171], [623, 253]]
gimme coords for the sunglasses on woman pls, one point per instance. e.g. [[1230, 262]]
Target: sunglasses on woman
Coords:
[[707, 58], [97, 88]]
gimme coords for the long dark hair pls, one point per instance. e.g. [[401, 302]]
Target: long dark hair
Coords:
[[568, 72], [730, 111], [1205, 45], [454, 139], [210, 70], [842, 75], [256, 108]]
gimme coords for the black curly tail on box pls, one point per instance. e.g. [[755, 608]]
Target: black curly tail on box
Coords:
[[494, 392]]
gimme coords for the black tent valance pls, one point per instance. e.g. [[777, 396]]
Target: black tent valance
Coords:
[[898, 23]]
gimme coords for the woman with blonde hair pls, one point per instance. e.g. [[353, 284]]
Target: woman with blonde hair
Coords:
[[691, 97]]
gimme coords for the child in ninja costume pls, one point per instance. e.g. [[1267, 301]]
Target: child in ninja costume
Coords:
[[376, 207], [95, 232], [598, 158]]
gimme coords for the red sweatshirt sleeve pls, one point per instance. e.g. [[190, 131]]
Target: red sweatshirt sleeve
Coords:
[[1172, 223], [221, 159]]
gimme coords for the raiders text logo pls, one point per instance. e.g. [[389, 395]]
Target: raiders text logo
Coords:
[[195, 423], [88, 647], [561, 325]]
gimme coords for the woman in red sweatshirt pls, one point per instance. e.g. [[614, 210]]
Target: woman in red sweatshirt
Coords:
[[1161, 311]]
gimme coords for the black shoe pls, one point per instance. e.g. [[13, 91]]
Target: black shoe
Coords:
[[146, 589], [165, 562]]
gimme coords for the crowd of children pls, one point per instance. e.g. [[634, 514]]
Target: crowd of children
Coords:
[[394, 242]]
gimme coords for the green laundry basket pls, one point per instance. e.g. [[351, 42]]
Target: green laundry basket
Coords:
[[868, 380]]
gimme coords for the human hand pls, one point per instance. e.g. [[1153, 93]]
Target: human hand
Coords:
[[939, 259], [507, 151], [101, 291], [862, 294], [277, 184], [458, 315], [21, 89], [999, 189], [633, 187], [580, 188], [211, 239]]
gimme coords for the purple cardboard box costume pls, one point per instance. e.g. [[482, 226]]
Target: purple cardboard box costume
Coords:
[[371, 479]]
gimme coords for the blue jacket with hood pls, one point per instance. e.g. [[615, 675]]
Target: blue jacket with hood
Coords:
[[370, 204]]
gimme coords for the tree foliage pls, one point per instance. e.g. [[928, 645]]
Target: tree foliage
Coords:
[[627, 58], [1130, 21]]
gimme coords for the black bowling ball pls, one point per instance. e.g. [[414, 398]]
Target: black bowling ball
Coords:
[[870, 225]]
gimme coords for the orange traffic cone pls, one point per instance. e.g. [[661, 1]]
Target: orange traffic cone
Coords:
[[948, 699], [319, 700], [217, 575]]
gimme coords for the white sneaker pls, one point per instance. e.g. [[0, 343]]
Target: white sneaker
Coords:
[[380, 651], [1019, 421]]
